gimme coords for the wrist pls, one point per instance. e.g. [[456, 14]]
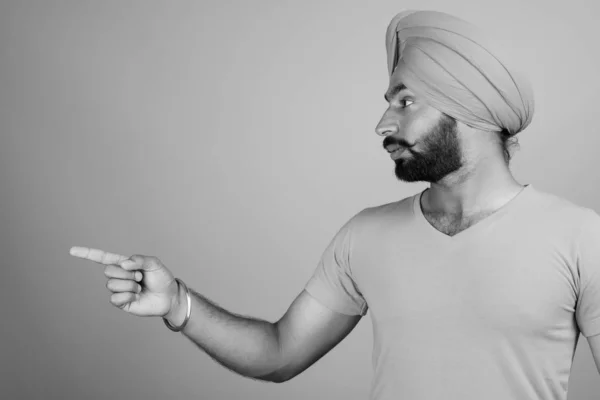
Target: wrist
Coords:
[[176, 313]]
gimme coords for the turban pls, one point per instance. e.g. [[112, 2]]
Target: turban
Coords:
[[455, 68]]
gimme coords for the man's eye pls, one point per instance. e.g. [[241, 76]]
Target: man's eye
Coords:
[[405, 103]]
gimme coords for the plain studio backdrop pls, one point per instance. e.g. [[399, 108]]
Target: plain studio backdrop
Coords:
[[231, 139]]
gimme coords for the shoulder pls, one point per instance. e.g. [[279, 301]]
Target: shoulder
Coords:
[[391, 212], [558, 211]]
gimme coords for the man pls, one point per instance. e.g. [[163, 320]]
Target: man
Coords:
[[478, 286]]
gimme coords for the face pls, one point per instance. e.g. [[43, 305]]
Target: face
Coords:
[[427, 140]]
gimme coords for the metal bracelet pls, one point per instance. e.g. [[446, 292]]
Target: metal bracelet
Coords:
[[189, 309]]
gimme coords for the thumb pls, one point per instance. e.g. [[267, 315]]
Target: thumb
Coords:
[[134, 262], [140, 262]]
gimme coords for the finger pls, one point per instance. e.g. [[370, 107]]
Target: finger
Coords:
[[122, 299], [114, 271], [99, 256], [123, 285]]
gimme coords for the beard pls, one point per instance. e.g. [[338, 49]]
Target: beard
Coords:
[[440, 157]]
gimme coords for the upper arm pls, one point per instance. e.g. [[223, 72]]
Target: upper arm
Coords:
[[594, 342], [307, 332]]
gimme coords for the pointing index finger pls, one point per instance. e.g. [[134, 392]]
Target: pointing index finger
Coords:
[[99, 256]]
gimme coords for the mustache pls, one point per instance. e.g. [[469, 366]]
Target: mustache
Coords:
[[388, 141]]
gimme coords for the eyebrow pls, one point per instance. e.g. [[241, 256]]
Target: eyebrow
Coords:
[[395, 90]]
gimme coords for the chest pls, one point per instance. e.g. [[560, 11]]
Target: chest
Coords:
[[494, 287], [452, 224]]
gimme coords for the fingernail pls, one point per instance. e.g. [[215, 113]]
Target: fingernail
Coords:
[[138, 276], [127, 264]]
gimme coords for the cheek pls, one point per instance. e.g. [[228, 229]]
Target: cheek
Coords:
[[418, 124]]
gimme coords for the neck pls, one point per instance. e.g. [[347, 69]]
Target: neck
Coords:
[[484, 186]]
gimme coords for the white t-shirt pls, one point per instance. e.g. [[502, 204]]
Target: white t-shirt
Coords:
[[493, 312]]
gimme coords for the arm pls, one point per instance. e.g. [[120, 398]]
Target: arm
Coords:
[[307, 332], [594, 343], [245, 345], [257, 349]]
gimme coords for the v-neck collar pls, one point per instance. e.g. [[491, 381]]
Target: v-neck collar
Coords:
[[473, 229]]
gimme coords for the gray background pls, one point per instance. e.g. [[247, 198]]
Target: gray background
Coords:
[[231, 139]]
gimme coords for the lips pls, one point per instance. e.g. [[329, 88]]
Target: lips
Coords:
[[395, 150]]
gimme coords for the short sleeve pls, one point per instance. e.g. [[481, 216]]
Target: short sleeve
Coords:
[[331, 283], [588, 264]]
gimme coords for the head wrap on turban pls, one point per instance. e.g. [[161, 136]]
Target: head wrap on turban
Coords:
[[453, 66]]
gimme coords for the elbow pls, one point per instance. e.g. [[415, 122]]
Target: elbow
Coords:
[[277, 379], [281, 376], [281, 379], [274, 377]]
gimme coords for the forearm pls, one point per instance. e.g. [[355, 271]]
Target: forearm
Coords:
[[245, 345]]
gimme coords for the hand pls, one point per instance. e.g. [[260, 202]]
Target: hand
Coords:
[[154, 295]]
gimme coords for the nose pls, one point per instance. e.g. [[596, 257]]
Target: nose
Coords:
[[388, 125]]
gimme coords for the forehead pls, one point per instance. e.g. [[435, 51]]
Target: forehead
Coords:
[[395, 86], [395, 79], [393, 90]]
